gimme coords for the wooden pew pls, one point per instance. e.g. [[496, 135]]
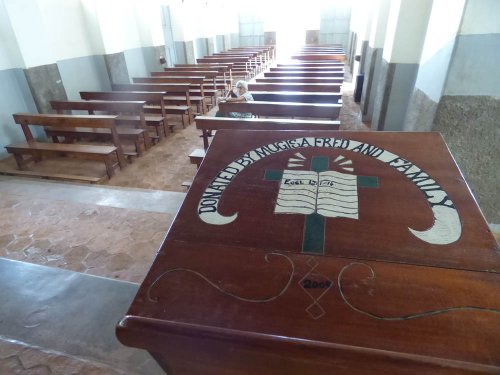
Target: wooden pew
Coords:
[[36, 149], [254, 61], [155, 99], [197, 87], [288, 79], [225, 70], [113, 107], [319, 56], [209, 123], [182, 102], [211, 76], [296, 96], [283, 109], [299, 64], [239, 62], [339, 68], [304, 87], [301, 73]]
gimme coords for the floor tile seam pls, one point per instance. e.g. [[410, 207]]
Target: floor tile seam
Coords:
[[101, 189], [49, 351], [94, 204]]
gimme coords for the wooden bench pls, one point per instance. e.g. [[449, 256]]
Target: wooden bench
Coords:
[[36, 149], [296, 96], [182, 102], [114, 107], [196, 157], [326, 80], [212, 75], [240, 64], [153, 99], [209, 123], [340, 56], [224, 70], [302, 73], [298, 65], [283, 109], [196, 87], [304, 87], [310, 69]]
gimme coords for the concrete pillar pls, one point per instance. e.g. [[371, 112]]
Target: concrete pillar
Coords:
[[373, 57], [406, 30]]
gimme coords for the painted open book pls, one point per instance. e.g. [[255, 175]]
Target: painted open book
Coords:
[[328, 193]]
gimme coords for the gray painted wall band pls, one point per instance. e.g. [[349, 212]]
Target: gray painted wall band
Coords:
[[227, 41], [86, 73], [220, 43], [235, 40], [200, 46], [180, 52], [382, 93], [372, 55], [432, 73], [376, 76], [401, 92], [352, 52], [136, 62], [190, 55], [474, 69], [16, 97], [394, 91], [210, 45], [362, 62]]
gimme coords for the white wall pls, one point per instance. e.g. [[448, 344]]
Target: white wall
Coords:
[[379, 24], [65, 28], [487, 11], [438, 47], [118, 25], [476, 55], [30, 32], [10, 56], [149, 23], [443, 26]]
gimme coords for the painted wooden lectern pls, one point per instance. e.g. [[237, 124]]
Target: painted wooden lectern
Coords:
[[316, 252]]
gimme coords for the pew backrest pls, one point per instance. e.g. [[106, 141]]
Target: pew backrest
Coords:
[[283, 109]]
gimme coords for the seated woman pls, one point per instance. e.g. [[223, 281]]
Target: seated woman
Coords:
[[240, 94]]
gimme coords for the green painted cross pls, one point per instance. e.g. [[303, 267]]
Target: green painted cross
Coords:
[[314, 227]]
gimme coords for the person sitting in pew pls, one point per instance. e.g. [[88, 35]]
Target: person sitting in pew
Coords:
[[239, 94]]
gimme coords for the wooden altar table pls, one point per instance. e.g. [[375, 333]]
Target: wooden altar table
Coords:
[[323, 252]]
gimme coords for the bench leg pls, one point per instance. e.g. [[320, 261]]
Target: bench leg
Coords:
[[109, 166], [147, 139], [37, 156], [190, 115], [138, 147], [205, 138], [20, 161], [165, 124], [159, 132], [184, 121]]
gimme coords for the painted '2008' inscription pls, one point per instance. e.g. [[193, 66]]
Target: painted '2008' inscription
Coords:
[[445, 230]]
